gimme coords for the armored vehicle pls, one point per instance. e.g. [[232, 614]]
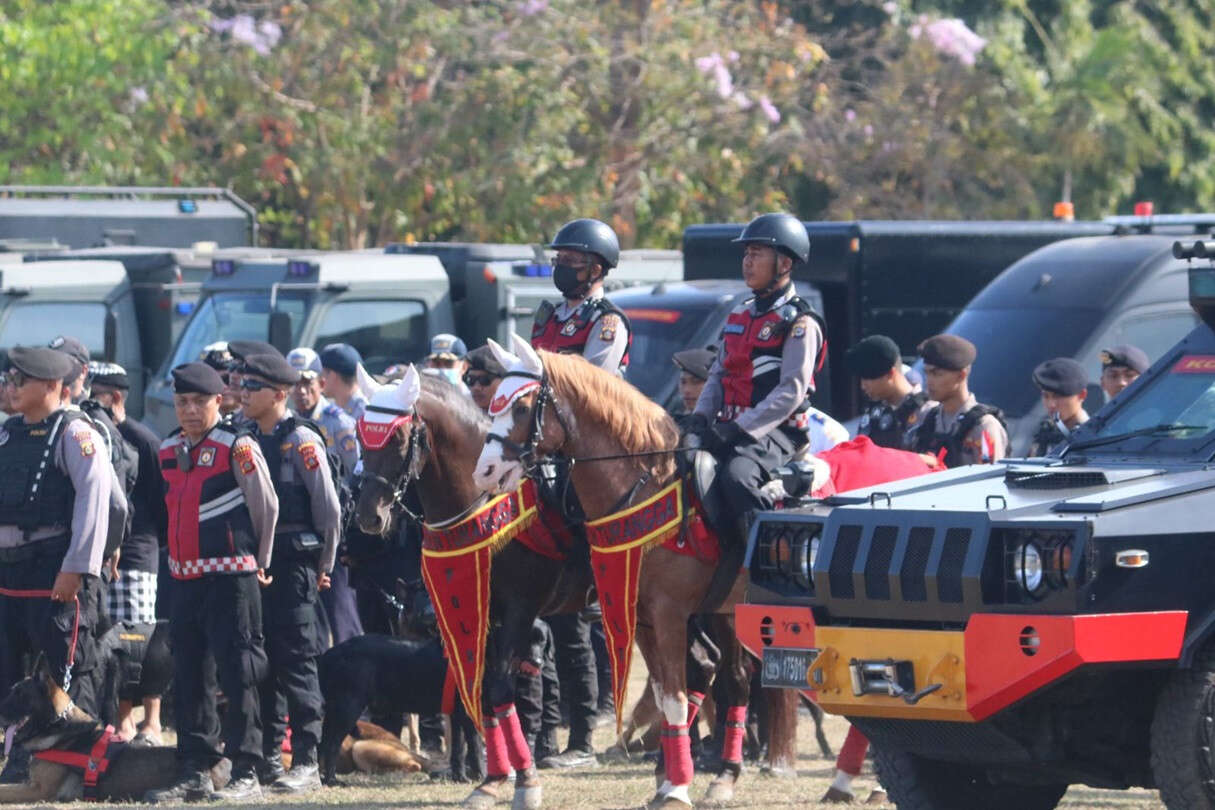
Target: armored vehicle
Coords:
[[1002, 631]]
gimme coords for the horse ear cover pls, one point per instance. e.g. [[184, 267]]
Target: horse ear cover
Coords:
[[507, 360], [528, 359]]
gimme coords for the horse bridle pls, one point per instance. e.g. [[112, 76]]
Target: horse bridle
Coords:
[[400, 487], [527, 452]]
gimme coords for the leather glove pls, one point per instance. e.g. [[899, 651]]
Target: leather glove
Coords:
[[723, 436]]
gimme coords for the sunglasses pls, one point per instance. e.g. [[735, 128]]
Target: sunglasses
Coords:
[[249, 384], [478, 379], [14, 378]]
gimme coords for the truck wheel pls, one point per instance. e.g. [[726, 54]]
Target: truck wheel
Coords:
[[1183, 761], [921, 784]]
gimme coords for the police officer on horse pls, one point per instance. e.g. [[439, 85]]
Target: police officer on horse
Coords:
[[751, 414]]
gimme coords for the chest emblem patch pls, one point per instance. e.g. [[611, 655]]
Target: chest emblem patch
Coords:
[[570, 328], [765, 332], [206, 457]]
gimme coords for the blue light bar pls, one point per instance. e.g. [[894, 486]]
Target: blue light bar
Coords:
[[184, 307], [187, 206], [299, 268], [223, 267], [533, 270]]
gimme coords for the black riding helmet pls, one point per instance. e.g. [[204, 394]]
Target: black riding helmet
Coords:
[[589, 236], [784, 232]]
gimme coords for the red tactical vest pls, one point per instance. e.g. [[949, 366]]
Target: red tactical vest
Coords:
[[210, 530], [752, 349], [571, 336]]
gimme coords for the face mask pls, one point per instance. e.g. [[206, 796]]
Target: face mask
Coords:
[[565, 276], [452, 375]]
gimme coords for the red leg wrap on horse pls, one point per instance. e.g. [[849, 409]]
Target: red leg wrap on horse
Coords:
[[694, 701], [678, 750], [852, 754], [497, 761], [516, 744], [736, 730]]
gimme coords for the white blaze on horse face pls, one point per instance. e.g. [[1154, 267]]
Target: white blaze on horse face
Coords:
[[495, 473]]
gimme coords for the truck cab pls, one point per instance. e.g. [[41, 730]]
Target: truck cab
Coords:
[[90, 300], [386, 306], [1002, 631]]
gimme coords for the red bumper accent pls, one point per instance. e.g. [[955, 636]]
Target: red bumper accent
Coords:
[[998, 669]]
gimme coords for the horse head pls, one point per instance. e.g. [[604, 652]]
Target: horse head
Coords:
[[521, 433], [388, 432]]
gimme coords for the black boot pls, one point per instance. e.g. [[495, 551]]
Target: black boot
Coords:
[[270, 769], [192, 785], [243, 787], [304, 775]]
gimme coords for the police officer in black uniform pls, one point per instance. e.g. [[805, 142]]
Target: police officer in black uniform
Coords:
[[55, 493], [305, 539], [897, 405], [1064, 387], [751, 414], [222, 512], [960, 430]]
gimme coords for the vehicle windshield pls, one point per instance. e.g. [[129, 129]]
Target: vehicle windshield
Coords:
[[1177, 406], [238, 315], [1012, 342], [385, 331], [37, 323], [657, 334]]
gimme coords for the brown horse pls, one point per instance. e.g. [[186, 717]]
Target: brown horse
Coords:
[[433, 434], [552, 404]]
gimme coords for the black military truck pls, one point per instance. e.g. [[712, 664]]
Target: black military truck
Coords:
[[907, 280], [1000, 632]]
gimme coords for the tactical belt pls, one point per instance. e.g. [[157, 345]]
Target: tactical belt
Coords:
[[51, 546]]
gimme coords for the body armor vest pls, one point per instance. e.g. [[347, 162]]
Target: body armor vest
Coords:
[[34, 492], [753, 344], [887, 426], [294, 502], [929, 441], [571, 336], [210, 530]]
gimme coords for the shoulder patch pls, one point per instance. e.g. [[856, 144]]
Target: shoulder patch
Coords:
[[242, 452], [607, 326], [309, 452], [349, 443]]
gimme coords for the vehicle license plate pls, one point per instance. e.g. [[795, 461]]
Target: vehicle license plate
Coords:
[[787, 668]]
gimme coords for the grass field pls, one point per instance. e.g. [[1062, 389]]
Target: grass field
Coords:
[[627, 786]]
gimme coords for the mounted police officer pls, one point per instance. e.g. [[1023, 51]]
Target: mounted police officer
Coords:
[[751, 414], [588, 324], [55, 494], [960, 429], [222, 511], [1064, 387], [898, 405], [306, 540], [585, 322]]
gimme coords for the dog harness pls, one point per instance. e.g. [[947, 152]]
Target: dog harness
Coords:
[[94, 764]]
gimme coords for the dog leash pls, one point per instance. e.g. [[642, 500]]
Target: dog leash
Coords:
[[18, 593]]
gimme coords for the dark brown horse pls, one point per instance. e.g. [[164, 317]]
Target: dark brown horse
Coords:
[[433, 452], [587, 413]]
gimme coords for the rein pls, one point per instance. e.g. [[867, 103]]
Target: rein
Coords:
[[399, 487]]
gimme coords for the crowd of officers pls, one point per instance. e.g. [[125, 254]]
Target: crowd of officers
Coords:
[[247, 496]]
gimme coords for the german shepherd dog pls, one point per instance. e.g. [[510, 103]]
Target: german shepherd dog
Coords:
[[48, 720]]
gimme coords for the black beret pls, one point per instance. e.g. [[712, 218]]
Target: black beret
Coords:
[[873, 357], [41, 363], [273, 368], [1131, 357], [948, 352], [482, 359], [72, 347], [1062, 376], [696, 362], [111, 374], [342, 358], [240, 349], [196, 378]]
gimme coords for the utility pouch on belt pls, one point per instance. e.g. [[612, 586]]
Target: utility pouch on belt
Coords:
[[306, 542]]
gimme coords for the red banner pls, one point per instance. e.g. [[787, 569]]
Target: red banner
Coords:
[[456, 560], [618, 544]]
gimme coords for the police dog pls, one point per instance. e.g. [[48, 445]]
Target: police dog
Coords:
[[47, 720]]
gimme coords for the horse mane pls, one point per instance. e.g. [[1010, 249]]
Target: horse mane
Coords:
[[467, 415], [631, 417]]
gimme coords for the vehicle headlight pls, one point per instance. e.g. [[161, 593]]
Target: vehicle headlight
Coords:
[[815, 542], [1027, 567]]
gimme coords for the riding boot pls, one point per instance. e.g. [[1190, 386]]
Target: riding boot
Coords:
[[193, 784]]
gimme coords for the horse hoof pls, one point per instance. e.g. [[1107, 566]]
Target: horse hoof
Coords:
[[721, 790], [668, 803], [878, 796], [484, 795], [527, 798]]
